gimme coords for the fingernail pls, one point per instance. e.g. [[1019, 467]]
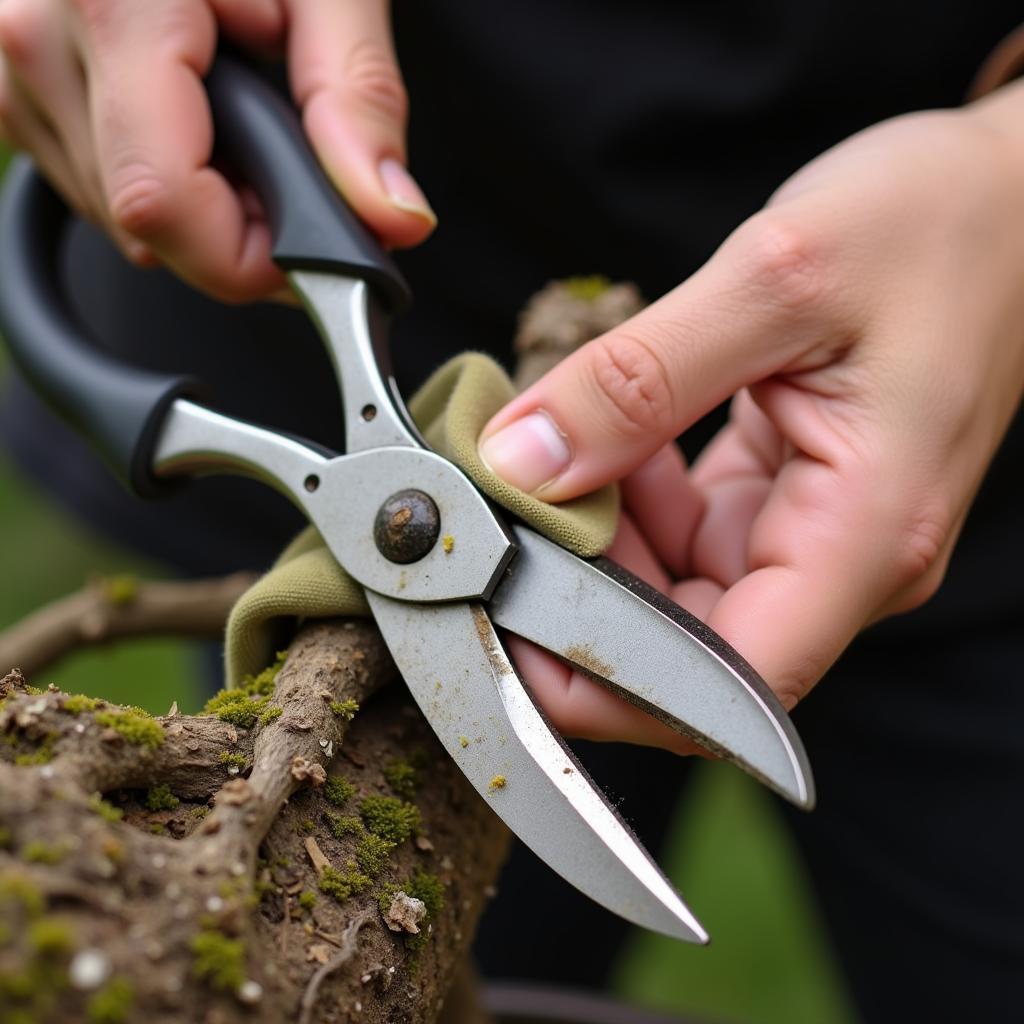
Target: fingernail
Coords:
[[403, 191], [528, 453]]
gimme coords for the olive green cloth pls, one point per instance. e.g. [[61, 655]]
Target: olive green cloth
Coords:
[[451, 410]]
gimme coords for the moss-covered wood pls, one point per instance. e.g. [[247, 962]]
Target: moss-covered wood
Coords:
[[148, 873]]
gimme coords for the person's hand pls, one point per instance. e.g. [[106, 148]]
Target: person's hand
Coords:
[[107, 96], [870, 324]]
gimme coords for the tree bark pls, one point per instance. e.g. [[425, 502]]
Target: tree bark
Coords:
[[109, 608], [141, 909]]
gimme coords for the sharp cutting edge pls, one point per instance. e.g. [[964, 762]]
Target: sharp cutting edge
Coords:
[[455, 666]]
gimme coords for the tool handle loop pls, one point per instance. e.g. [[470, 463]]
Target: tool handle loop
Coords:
[[119, 407]]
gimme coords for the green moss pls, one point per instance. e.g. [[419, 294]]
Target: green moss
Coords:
[[20, 1017], [6, 838], [372, 853], [120, 590], [343, 884], [51, 937], [113, 1002], [421, 886], [138, 729], [43, 754], [260, 890], [160, 798], [232, 760], [157, 829], [389, 817], [79, 703], [587, 288], [385, 896], [346, 709], [262, 684], [403, 778], [236, 707], [270, 713], [342, 825], [308, 826], [307, 900], [218, 960], [38, 852], [338, 790], [249, 703], [429, 888], [17, 889], [107, 811], [33, 691], [21, 987]]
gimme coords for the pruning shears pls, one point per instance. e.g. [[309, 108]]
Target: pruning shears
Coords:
[[384, 508]]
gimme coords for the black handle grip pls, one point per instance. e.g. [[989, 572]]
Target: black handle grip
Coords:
[[121, 408], [258, 132]]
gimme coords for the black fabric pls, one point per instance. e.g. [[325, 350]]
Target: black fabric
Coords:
[[577, 136]]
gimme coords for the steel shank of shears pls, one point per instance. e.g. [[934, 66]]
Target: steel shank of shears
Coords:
[[346, 497]]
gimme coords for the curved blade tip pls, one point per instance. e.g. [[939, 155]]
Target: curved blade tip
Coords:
[[676, 920], [798, 785]]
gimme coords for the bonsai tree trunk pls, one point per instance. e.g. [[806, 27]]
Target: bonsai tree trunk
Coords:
[[201, 869]]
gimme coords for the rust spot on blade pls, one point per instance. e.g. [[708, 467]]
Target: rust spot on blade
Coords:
[[585, 658], [488, 640]]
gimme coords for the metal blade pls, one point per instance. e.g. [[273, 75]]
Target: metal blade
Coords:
[[463, 681], [638, 643]]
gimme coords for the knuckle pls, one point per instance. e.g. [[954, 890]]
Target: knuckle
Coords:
[[141, 202], [372, 79], [22, 31], [631, 383], [783, 261], [925, 587], [921, 542]]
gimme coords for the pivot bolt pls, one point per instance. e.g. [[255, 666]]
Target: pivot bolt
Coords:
[[406, 526]]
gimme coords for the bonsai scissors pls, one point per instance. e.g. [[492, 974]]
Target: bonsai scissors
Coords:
[[384, 508]]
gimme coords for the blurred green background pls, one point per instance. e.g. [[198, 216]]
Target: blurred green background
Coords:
[[769, 962]]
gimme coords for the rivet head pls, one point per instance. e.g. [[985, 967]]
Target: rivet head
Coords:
[[406, 527]]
